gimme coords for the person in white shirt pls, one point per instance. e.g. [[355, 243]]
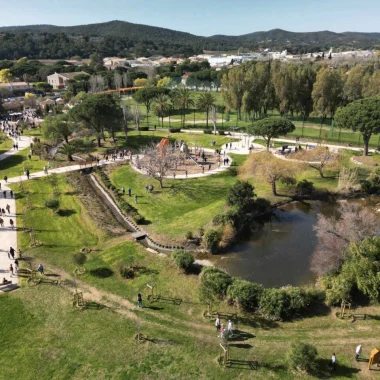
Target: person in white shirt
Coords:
[[229, 327], [358, 352], [333, 361], [217, 323]]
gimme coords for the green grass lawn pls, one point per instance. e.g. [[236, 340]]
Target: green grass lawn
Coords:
[[5, 143], [181, 206], [44, 337]]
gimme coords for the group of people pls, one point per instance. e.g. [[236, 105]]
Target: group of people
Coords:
[[223, 332], [3, 214], [13, 267]]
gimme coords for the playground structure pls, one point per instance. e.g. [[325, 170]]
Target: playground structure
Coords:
[[346, 312], [225, 359], [178, 159], [374, 358], [155, 297]]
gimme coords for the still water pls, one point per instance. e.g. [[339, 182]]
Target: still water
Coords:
[[278, 253]]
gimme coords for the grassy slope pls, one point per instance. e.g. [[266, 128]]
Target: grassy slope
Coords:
[[50, 339]]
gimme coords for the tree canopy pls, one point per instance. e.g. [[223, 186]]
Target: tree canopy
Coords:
[[362, 116]]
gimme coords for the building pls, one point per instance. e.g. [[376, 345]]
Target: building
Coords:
[[59, 80], [15, 87]]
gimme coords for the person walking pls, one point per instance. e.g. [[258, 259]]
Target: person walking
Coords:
[[27, 173], [4, 194], [217, 323], [135, 198], [139, 300], [222, 329], [229, 327], [186, 173], [16, 265], [5, 179], [11, 223], [41, 269], [12, 253], [129, 191], [358, 352], [123, 190], [11, 269], [333, 362], [8, 208]]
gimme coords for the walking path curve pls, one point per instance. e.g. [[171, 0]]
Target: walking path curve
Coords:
[[23, 142]]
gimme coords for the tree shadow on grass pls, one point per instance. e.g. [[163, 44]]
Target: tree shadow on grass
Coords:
[[239, 335], [241, 345], [257, 321], [94, 306], [323, 369], [102, 272], [66, 213]]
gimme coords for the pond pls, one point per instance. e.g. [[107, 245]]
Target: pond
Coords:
[[278, 252]]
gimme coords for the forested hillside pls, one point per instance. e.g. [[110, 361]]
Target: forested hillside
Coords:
[[128, 40]]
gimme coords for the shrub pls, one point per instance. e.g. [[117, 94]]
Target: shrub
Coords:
[[241, 195], [366, 186], [374, 177], [174, 130], [214, 283], [221, 133], [288, 181], [79, 259], [228, 236], [211, 240], [201, 231], [273, 303], [262, 205], [304, 187], [207, 131], [233, 171], [246, 294], [139, 219], [126, 272], [302, 356], [189, 235], [144, 129], [182, 259], [52, 203]]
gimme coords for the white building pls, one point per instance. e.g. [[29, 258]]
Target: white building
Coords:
[[59, 80]]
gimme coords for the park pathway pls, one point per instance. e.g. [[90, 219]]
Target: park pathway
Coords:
[[23, 142]]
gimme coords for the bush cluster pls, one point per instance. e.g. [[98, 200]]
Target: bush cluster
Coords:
[[144, 129], [277, 304], [302, 356], [52, 203], [371, 185], [126, 272], [182, 259], [123, 204], [174, 130]]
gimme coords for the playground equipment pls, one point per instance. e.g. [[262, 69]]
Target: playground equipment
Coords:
[[162, 146], [225, 359], [343, 309], [153, 296], [78, 300], [374, 358], [224, 354]]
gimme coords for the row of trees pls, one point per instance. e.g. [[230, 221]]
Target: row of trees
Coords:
[[302, 89]]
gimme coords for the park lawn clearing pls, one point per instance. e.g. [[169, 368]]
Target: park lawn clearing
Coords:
[[5, 144], [181, 206]]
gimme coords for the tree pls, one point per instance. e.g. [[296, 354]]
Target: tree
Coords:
[[30, 99], [182, 98], [68, 150], [96, 83], [302, 356], [96, 62], [327, 91], [233, 88], [100, 112], [57, 127], [140, 82], [362, 116], [272, 127], [214, 284], [5, 76], [244, 293], [157, 163], [206, 102], [52, 203], [147, 96], [270, 168], [164, 82], [241, 195], [162, 106], [182, 259], [334, 234], [319, 158], [353, 86]]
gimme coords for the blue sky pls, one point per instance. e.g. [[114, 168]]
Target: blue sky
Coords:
[[202, 17]]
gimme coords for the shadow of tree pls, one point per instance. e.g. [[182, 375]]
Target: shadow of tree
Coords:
[[102, 272], [66, 213], [323, 369]]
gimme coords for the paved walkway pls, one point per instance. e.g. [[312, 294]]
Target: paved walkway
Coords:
[[23, 142]]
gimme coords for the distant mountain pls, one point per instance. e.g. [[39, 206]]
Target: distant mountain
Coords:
[[128, 39]]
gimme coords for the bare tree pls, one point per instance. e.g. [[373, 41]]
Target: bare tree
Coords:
[[270, 168], [347, 179], [96, 83], [127, 117], [353, 224], [118, 80], [319, 159], [158, 161], [136, 112]]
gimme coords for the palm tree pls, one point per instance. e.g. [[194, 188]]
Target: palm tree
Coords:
[[161, 106], [205, 103], [67, 149], [183, 99]]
